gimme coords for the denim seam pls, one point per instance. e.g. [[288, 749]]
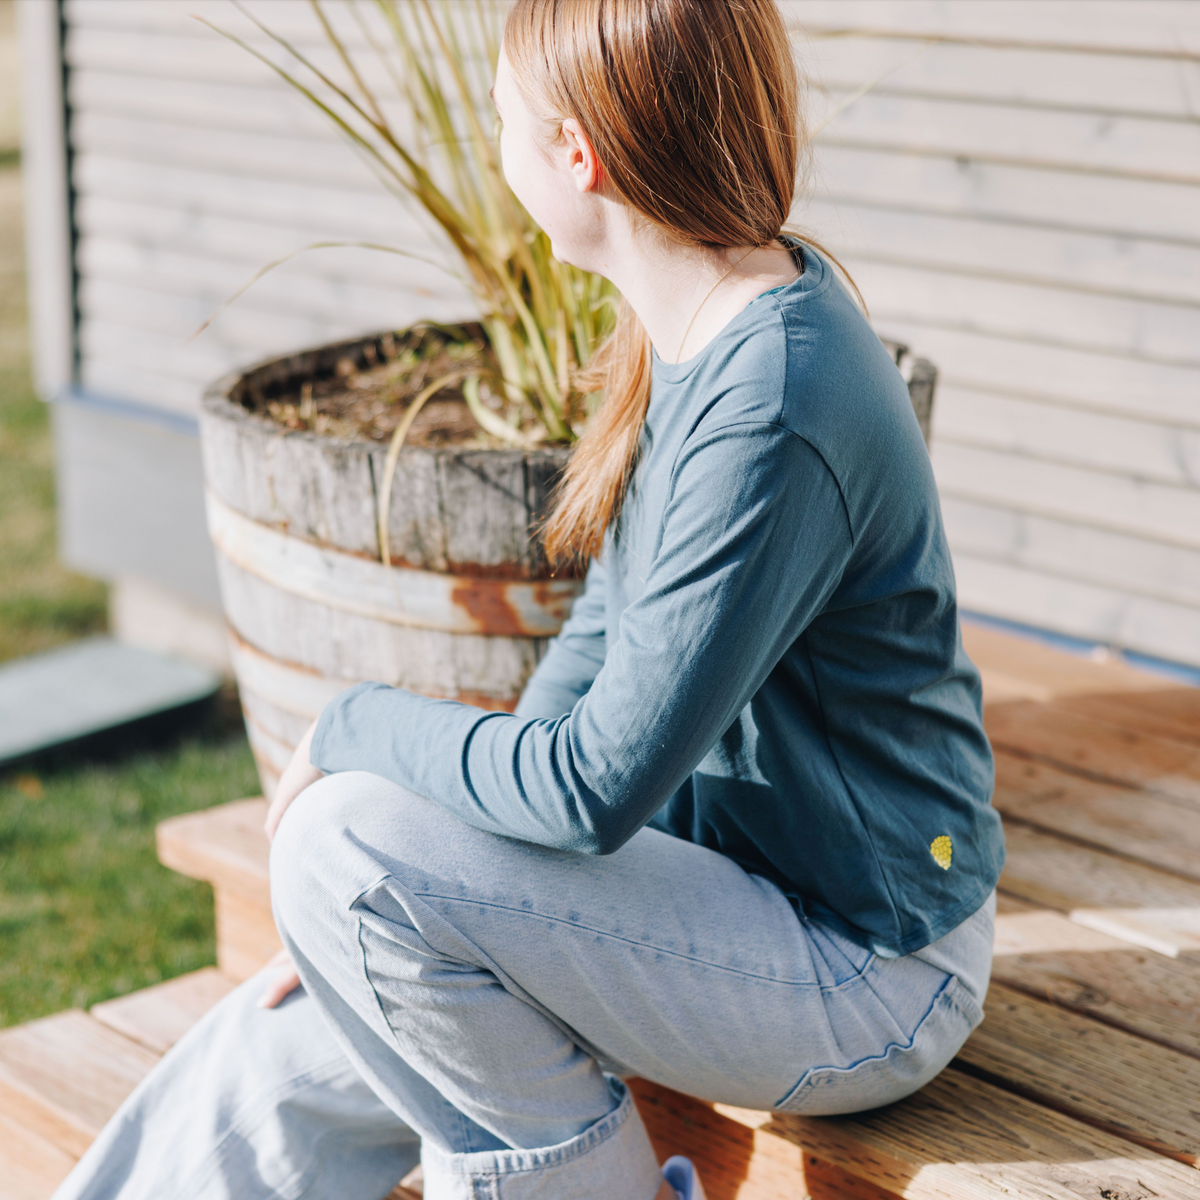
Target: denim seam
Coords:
[[948, 993], [800, 983], [513, 1162]]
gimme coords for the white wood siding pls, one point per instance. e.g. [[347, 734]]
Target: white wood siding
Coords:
[[1018, 197], [194, 166]]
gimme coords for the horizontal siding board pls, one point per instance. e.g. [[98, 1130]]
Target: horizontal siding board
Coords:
[[1145, 450], [1111, 325], [373, 216], [1109, 500], [153, 229], [970, 187], [247, 328], [1071, 606], [1145, 86], [1168, 28], [1018, 251], [265, 108], [1146, 147], [1118, 386], [272, 157], [1138, 565], [125, 381]]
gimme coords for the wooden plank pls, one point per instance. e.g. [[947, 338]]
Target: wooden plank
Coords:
[[203, 234], [1127, 899], [1052, 958], [157, 1017], [1021, 667], [960, 1138], [1023, 76], [1150, 269], [1130, 565], [1114, 325], [1102, 1076], [62, 1077], [31, 1167], [1049, 600], [1050, 138], [246, 934], [1152, 27], [307, 157], [1103, 749], [1026, 427], [1154, 830], [960, 185], [1167, 712], [224, 846], [1145, 509], [1097, 382]]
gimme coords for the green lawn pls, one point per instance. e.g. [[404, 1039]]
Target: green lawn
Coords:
[[86, 911]]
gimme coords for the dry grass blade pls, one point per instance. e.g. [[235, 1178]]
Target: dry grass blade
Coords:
[[543, 319]]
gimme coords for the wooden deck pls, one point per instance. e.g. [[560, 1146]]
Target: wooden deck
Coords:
[[1083, 1081]]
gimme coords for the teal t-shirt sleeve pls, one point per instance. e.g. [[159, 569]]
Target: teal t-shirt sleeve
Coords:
[[575, 656], [755, 537]]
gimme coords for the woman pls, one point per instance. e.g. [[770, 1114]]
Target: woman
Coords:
[[736, 837]]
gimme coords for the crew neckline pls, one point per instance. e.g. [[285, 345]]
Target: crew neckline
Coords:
[[814, 275]]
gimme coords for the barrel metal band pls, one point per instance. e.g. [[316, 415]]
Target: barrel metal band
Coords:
[[398, 595]]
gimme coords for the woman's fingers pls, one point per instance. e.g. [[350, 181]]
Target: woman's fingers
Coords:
[[286, 981]]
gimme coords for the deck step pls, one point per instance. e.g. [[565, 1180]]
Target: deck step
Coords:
[[157, 1017], [87, 687], [226, 847], [62, 1077], [960, 1137], [30, 1166], [1105, 1077], [1130, 900]]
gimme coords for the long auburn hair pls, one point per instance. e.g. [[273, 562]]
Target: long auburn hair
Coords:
[[693, 107]]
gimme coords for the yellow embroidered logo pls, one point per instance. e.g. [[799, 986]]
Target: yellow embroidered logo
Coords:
[[941, 850]]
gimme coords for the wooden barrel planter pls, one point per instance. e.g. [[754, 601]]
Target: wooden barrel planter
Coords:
[[464, 611]]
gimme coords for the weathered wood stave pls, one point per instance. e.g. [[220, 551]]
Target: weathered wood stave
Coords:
[[461, 524]]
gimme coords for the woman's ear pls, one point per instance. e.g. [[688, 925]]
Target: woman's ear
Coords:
[[581, 158]]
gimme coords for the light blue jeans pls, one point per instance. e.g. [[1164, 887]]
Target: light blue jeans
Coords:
[[473, 1001]]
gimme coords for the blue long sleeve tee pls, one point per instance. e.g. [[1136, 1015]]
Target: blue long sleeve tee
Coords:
[[766, 657]]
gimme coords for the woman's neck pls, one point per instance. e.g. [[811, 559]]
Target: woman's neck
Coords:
[[685, 295]]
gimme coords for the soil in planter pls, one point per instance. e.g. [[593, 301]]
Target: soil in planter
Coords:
[[366, 393]]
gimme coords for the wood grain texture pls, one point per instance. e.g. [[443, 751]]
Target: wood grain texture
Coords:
[[1048, 956], [246, 934], [1107, 750], [31, 1167], [1105, 1077], [1136, 824], [1129, 900], [224, 846], [1021, 668], [63, 1076], [157, 1017], [960, 1138], [1165, 712]]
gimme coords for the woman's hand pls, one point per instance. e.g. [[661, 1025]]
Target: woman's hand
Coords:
[[286, 980], [298, 774]]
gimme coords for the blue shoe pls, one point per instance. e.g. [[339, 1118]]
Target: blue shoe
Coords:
[[681, 1175]]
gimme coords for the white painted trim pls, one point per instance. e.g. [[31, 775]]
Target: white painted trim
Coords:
[[47, 197]]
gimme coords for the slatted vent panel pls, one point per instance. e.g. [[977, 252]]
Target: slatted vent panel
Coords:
[[1019, 197]]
